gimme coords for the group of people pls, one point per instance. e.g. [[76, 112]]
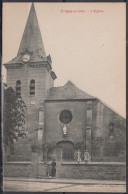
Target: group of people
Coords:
[[86, 156], [51, 167]]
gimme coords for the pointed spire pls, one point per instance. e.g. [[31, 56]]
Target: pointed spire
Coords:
[[32, 40]]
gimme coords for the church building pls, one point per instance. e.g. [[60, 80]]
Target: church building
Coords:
[[60, 120]]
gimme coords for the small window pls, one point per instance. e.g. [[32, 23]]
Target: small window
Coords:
[[32, 87], [40, 134], [89, 105], [18, 88], [41, 117], [111, 131], [65, 116]]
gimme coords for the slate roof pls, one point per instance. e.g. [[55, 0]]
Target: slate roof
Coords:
[[31, 41], [68, 91]]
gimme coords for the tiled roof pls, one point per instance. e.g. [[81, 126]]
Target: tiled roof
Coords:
[[68, 91]]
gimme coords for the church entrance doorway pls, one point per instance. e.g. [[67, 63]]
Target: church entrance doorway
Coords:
[[67, 150]]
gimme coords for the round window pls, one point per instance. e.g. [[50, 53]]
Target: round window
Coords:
[[65, 116]]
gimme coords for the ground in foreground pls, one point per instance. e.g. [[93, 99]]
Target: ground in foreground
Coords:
[[44, 186]]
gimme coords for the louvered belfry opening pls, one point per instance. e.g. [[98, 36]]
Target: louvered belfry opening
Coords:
[[32, 87], [18, 88]]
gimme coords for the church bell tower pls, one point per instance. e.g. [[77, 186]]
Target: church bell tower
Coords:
[[30, 74]]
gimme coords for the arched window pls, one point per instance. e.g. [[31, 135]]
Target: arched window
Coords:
[[18, 88], [111, 131], [32, 87], [41, 117]]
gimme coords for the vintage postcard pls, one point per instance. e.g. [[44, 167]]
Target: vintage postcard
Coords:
[[64, 117]]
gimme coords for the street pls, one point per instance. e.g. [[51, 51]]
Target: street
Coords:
[[35, 186]]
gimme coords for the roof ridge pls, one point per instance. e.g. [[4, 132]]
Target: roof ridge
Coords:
[[57, 87], [79, 88], [68, 91], [69, 83], [112, 109]]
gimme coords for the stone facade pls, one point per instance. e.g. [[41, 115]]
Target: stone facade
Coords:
[[43, 82], [107, 149], [89, 125]]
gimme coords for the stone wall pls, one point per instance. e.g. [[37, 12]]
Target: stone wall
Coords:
[[97, 171], [14, 169], [103, 147], [24, 169]]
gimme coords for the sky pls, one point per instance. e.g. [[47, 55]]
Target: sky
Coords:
[[86, 41]]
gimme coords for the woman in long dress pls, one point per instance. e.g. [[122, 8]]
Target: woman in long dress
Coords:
[[86, 156], [79, 156]]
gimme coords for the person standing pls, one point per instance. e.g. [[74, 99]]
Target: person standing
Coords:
[[78, 156], [86, 156], [48, 169], [53, 164]]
